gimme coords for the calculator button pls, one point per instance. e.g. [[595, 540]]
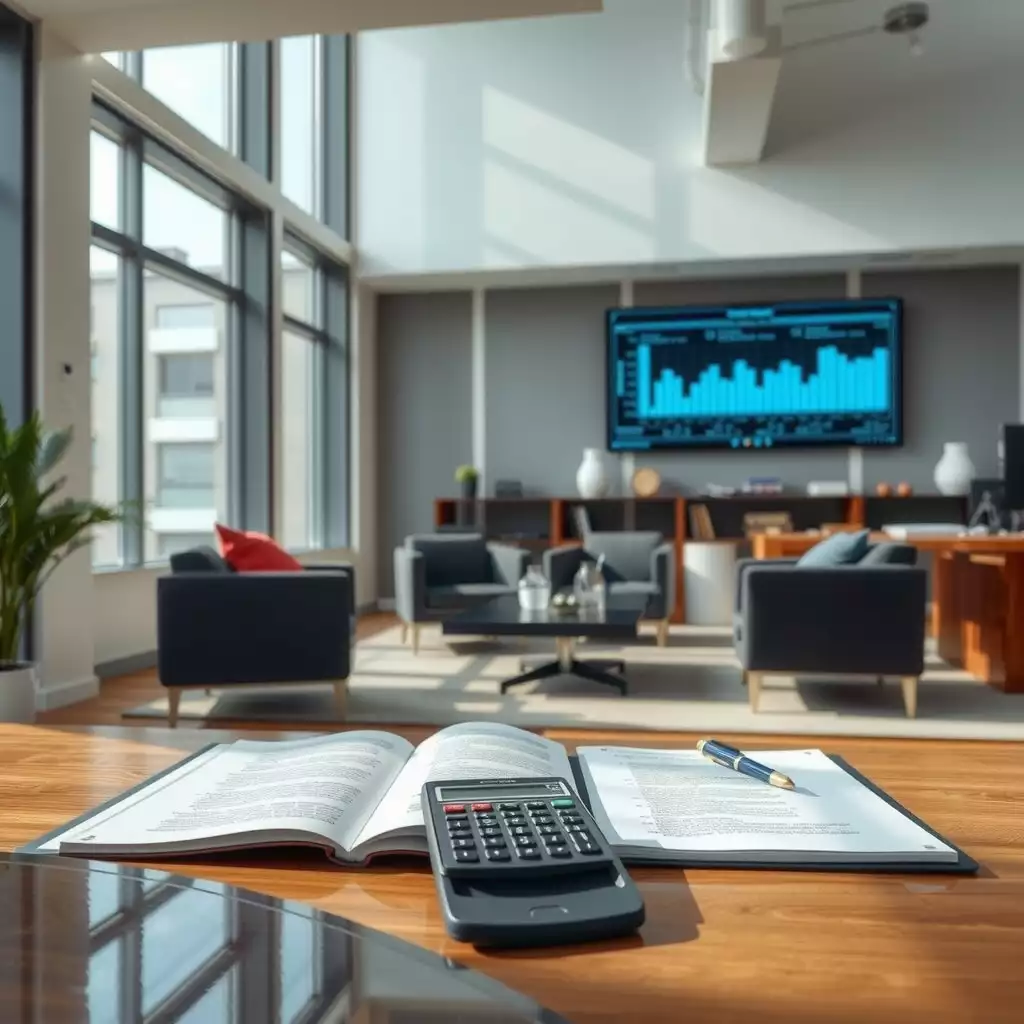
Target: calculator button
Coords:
[[461, 832], [569, 817], [542, 819], [454, 808], [528, 853], [524, 841], [498, 854], [563, 803], [584, 842], [552, 841], [559, 851], [463, 844], [575, 828], [483, 821], [466, 856], [508, 807], [491, 833], [549, 830], [483, 807], [521, 830], [536, 805], [495, 842], [458, 819]]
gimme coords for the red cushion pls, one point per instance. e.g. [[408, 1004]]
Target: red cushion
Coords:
[[246, 551]]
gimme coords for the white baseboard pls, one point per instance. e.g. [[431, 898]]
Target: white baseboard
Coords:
[[62, 694]]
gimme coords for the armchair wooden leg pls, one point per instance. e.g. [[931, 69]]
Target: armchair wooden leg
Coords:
[[909, 685], [173, 700], [662, 632], [743, 677], [405, 632], [754, 689], [341, 697], [414, 631]]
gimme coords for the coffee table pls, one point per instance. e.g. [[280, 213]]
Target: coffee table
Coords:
[[502, 616]]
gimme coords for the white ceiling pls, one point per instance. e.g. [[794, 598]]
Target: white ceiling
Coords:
[[93, 26], [847, 79]]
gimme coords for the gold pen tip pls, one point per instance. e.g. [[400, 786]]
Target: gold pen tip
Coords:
[[782, 781]]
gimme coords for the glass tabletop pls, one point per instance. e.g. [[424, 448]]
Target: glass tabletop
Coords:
[[104, 944]]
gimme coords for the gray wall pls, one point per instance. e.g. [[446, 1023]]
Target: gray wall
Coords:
[[425, 409], [690, 471], [545, 372], [961, 368]]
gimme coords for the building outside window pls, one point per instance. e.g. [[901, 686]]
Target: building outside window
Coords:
[[187, 315], [186, 385], [185, 476]]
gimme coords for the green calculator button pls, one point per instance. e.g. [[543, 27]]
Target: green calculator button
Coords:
[[563, 803]]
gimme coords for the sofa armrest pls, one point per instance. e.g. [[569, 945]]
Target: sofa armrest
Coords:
[[508, 562], [561, 565], [349, 572], [663, 572], [743, 564], [215, 629], [847, 619], [410, 584]]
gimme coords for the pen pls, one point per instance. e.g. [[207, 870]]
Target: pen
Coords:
[[730, 757]]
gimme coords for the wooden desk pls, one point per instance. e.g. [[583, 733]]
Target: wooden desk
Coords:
[[720, 945], [977, 598]]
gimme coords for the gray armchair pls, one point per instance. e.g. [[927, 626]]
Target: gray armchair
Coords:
[[635, 563], [862, 619], [436, 576], [218, 628]]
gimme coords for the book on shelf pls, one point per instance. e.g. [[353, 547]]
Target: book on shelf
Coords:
[[356, 795]]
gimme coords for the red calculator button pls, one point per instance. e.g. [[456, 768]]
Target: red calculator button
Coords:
[[454, 808], [482, 807]]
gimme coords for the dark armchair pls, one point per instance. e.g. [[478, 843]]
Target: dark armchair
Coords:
[[636, 563], [218, 628], [862, 619], [436, 576]]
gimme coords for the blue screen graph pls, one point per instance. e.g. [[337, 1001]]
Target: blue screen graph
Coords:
[[755, 377]]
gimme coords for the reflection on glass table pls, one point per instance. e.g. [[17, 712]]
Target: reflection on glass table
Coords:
[[104, 944]]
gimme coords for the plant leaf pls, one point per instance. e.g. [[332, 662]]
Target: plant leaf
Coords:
[[52, 449]]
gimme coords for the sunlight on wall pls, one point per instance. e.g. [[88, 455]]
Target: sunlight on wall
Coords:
[[727, 215], [579, 160]]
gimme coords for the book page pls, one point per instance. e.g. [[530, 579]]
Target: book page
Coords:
[[471, 750], [679, 800], [326, 786]]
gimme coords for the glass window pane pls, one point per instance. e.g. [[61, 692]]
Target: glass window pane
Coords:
[[300, 960], [187, 315], [298, 288], [107, 437], [216, 1004], [301, 122], [178, 939], [104, 896], [301, 414], [103, 988], [171, 543], [196, 83], [185, 413], [105, 181], [183, 225]]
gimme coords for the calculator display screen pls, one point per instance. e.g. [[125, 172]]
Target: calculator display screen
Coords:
[[501, 791]]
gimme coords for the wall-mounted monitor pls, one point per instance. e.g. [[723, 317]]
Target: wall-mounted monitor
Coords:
[[756, 377]]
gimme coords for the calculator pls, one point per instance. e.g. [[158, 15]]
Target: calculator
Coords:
[[521, 862]]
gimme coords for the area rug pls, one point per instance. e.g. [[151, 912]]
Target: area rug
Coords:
[[693, 684]]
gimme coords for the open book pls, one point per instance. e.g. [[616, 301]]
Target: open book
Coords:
[[355, 794]]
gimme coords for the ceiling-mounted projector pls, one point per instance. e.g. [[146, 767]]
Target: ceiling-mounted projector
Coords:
[[741, 28]]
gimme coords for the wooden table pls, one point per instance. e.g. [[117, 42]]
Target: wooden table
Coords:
[[977, 598], [718, 945]]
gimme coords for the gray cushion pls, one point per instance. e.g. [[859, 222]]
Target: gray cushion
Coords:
[[890, 554], [450, 560], [839, 549], [634, 587], [627, 554], [465, 595], [201, 559]]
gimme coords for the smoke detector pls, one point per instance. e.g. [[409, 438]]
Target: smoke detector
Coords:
[[905, 19]]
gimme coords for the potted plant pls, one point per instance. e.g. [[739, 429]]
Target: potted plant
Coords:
[[38, 531], [466, 477]]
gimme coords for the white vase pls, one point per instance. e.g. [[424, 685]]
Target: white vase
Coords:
[[591, 480], [18, 693], [954, 471]]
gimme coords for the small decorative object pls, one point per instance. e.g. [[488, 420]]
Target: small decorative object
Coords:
[[767, 522], [534, 590], [646, 482], [954, 471], [581, 521], [591, 479], [903, 489], [563, 602], [508, 489], [466, 477], [883, 490], [588, 585]]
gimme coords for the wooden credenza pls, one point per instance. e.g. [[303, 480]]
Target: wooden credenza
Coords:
[[977, 599]]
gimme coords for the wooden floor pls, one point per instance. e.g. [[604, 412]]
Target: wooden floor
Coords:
[[119, 694]]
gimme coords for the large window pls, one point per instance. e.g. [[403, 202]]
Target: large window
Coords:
[[185, 384], [185, 476]]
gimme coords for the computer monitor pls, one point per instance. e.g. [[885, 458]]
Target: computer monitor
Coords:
[[1013, 466]]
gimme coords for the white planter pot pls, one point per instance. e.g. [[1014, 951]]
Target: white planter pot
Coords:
[[954, 471], [18, 694], [591, 480]]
